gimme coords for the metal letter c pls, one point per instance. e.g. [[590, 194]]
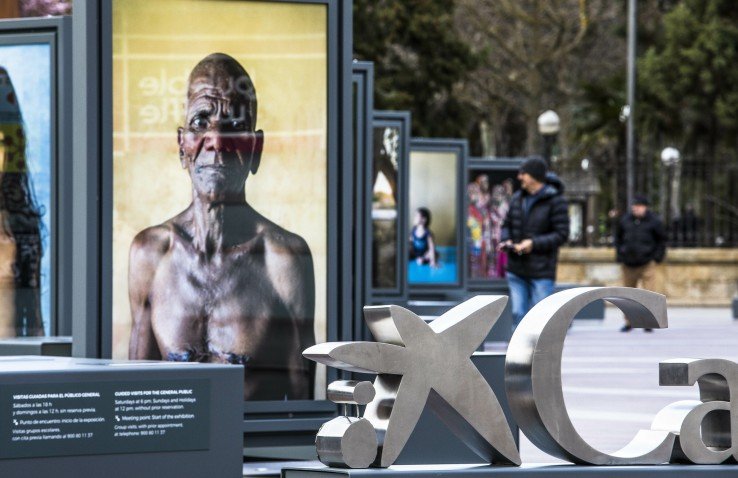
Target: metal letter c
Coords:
[[533, 376]]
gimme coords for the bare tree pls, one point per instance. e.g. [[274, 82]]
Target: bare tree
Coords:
[[537, 54]]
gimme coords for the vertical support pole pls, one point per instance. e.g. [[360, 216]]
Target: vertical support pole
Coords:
[[85, 177], [630, 133]]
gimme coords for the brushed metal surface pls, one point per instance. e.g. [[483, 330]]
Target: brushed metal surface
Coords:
[[708, 433], [533, 376], [347, 442], [351, 392], [418, 363]]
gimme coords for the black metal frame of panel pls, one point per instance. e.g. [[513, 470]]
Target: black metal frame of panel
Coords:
[[402, 120], [363, 102], [56, 32], [277, 424]]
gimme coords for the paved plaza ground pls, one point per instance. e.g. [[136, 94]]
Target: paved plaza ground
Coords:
[[610, 378]]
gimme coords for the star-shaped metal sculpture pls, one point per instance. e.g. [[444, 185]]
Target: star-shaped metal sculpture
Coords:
[[417, 363]]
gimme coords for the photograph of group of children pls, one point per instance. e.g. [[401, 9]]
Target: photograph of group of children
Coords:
[[489, 202]]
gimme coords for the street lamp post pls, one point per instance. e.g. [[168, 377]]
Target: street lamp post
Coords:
[[590, 201], [630, 149], [671, 159], [549, 125]]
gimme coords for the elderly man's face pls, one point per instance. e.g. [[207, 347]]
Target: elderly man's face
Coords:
[[218, 144]]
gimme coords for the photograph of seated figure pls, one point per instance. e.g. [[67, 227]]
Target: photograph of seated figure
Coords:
[[422, 246], [432, 208], [219, 282], [430, 261]]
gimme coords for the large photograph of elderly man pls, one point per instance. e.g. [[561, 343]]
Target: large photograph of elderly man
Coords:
[[220, 187]]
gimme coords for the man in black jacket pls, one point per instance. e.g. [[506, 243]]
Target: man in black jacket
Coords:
[[536, 225], [640, 243]]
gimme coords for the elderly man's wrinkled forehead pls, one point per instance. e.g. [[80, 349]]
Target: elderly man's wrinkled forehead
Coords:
[[222, 76]]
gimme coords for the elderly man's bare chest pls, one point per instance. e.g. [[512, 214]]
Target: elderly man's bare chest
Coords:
[[225, 289]]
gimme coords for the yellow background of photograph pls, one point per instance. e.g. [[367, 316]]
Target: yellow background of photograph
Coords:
[[283, 46], [433, 185]]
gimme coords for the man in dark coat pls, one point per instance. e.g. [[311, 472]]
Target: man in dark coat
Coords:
[[640, 243], [536, 225]]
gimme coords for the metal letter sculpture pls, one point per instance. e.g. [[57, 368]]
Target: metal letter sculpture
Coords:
[[417, 363], [707, 428], [689, 431], [533, 376], [348, 441]]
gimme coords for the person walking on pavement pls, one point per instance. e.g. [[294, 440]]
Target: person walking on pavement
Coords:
[[640, 243], [535, 226]]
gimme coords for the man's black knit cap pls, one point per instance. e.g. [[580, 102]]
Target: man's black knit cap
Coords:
[[536, 167], [640, 200]]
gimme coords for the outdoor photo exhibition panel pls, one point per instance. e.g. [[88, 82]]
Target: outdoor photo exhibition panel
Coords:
[[388, 186], [225, 215], [490, 184], [435, 211], [363, 107], [35, 178]]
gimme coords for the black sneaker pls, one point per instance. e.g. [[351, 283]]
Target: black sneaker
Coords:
[[648, 330], [626, 328]]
